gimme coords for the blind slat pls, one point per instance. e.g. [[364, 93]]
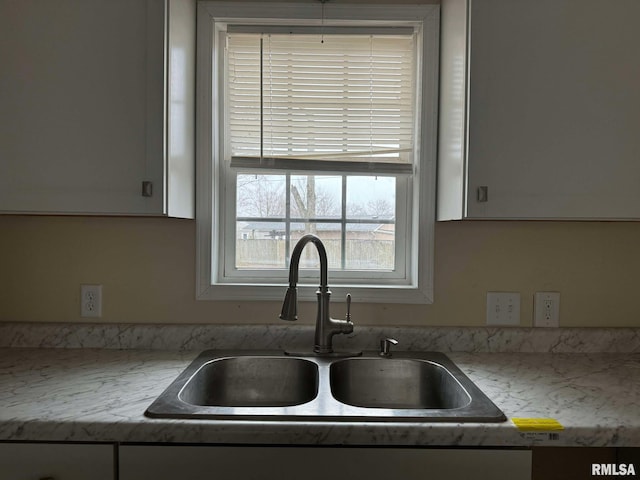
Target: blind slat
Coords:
[[351, 97], [364, 166]]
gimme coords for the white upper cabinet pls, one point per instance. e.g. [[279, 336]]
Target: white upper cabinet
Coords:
[[97, 97], [540, 110]]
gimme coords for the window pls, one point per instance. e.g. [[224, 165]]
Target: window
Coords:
[[316, 119]]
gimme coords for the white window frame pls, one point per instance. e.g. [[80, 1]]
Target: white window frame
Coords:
[[417, 287]]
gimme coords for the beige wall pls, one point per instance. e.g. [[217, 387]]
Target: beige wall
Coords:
[[147, 269]]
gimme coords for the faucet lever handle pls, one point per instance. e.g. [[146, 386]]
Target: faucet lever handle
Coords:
[[348, 317]]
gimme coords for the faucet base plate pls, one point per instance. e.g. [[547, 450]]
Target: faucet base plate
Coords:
[[329, 354]]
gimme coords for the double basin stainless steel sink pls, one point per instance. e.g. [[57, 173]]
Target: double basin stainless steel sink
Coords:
[[268, 385]]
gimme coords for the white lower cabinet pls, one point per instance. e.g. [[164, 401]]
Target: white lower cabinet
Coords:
[[36, 461], [311, 463]]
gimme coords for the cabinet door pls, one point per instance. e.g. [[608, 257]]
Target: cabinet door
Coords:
[[32, 461], [554, 109], [84, 117], [319, 463], [74, 106]]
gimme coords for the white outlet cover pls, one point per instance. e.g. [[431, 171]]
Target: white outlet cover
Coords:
[[91, 301], [503, 308], [546, 309]]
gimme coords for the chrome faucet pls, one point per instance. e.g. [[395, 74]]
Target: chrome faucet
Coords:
[[326, 327]]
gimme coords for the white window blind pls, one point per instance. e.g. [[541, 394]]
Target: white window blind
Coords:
[[322, 101]]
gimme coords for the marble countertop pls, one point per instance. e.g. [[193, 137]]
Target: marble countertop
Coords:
[[100, 395]]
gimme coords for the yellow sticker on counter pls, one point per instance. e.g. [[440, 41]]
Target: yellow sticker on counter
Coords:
[[537, 424]]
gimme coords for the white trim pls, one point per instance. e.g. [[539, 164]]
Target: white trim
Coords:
[[306, 292], [211, 187], [426, 197], [246, 13]]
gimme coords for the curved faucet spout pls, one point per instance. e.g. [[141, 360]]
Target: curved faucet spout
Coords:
[[297, 253], [290, 304], [326, 327]]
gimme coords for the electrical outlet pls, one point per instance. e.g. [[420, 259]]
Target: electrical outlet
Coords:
[[90, 300], [503, 308], [546, 309]]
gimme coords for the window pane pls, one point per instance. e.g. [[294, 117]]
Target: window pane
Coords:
[[260, 245], [329, 233], [370, 246], [275, 211], [316, 196], [371, 198], [262, 196]]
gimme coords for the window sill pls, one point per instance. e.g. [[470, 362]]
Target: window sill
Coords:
[[306, 293]]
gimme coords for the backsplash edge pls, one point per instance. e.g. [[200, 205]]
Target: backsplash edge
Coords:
[[300, 337]]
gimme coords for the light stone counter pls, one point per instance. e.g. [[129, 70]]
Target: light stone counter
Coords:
[[100, 395]]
